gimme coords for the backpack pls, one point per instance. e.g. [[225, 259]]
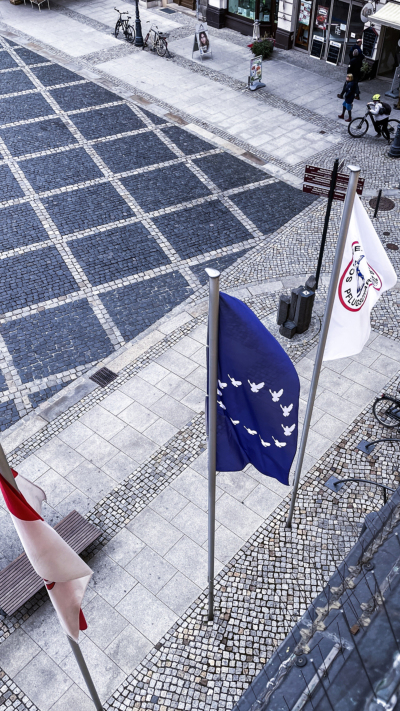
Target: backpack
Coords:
[[386, 108]]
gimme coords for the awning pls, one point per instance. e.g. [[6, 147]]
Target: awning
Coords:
[[388, 15]]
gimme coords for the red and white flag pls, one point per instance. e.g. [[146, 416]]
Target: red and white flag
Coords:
[[65, 574], [366, 272]]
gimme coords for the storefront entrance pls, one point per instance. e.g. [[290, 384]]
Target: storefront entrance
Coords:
[[390, 56], [328, 31]]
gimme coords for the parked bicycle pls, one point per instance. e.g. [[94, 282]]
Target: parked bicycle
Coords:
[[387, 411], [156, 41], [124, 26], [359, 126]]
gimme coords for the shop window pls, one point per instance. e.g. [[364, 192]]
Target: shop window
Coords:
[[245, 8], [265, 11], [303, 24]]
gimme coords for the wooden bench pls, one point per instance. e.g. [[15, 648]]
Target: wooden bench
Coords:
[[18, 581]]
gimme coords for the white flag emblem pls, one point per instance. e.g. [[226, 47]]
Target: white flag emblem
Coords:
[[366, 272]]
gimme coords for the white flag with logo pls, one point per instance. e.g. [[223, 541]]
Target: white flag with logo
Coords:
[[366, 272]]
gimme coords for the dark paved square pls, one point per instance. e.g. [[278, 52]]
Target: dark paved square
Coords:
[[6, 61], [12, 82], [201, 229], [56, 340], [28, 56], [35, 137], [228, 172], [107, 121], [22, 108], [53, 74], [157, 120], [60, 169], [10, 187], [29, 278], [8, 414], [19, 226], [86, 208], [82, 96], [46, 393], [135, 307], [117, 253], [187, 142], [133, 152], [220, 263], [165, 187], [271, 206]]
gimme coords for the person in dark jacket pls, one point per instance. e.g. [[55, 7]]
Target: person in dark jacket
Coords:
[[349, 93], [356, 60]]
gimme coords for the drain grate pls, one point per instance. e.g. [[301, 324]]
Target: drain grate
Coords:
[[103, 377]]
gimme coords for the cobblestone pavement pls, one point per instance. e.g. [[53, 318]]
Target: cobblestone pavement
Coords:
[[131, 457]]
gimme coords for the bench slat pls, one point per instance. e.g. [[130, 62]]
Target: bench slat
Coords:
[[18, 581]]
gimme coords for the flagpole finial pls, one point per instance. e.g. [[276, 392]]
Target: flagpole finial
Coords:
[[354, 168], [212, 273]]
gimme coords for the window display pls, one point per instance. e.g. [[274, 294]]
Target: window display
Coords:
[[245, 8], [303, 24]]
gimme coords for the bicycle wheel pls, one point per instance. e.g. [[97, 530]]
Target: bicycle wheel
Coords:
[[387, 411], [130, 34], [358, 127], [161, 47], [117, 28], [392, 127]]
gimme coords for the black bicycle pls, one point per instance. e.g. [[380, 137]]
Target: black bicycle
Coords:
[[387, 411], [124, 26], [359, 126], [156, 41]]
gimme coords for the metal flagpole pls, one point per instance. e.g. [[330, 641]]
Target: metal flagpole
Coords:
[[85, 672], [344, 226], [5, 469], [212, 345]]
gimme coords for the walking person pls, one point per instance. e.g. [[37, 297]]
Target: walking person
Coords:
[[355, 63], [349, 91], [380, 111]]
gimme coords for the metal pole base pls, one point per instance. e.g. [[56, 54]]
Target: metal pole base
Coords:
[[138, 33]]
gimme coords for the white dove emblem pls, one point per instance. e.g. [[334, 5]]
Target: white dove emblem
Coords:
[[219, 392], [221, 404], [222, 385], [234, 422], [276, 396], [287, 410], [255, 388], [234, 382], [264, 444], [287, 431], [279, 444], [252, 432]]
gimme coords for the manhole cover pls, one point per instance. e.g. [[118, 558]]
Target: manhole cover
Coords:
[[384, 203], [390, 245], [167, 10], [386, 234]]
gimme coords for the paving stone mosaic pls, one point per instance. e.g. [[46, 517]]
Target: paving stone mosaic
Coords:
[[61, 174]]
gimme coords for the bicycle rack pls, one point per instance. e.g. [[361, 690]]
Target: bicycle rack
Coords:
[[335, 484], [368, 447]]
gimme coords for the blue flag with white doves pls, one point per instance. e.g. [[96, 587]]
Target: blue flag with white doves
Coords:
[[258, 395]]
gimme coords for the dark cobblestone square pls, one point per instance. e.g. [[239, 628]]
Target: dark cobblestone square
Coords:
[[164, 187], [25, 107], [28, 56], [201, 229], [56, 340], [228, 172], [35, 137], [46, 393], [71, 98], [19, 226], [8, 414], [53, 74], [10, 187], [187, 142], [87, 207], [107, 121], [270, 206], [3, 383], [12, 82], [137, 306], [60, 169], [133, 152], [157, 120], [30, 278], [6, 61], [219, 263], [117, 253]]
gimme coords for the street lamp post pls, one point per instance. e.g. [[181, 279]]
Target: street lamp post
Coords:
[[138, 28]]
